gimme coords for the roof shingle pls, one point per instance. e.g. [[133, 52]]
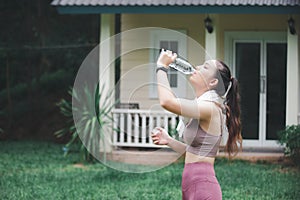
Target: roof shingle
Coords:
[[176, 2]]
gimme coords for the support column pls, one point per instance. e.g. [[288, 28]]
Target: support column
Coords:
[[212, 51], [106, 70], [106, 51], [298, 73], [211, 39], [292, 90]]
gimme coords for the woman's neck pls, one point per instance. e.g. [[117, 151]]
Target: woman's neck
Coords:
[[200, 92]]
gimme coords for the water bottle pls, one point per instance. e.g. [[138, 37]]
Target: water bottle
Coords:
[[182, 66]]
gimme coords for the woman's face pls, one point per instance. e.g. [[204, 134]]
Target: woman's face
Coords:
[[205, 75]]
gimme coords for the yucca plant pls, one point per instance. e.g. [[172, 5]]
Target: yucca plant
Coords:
[[87, 121]]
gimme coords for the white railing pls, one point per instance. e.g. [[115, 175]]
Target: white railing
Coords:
[[132, 127]]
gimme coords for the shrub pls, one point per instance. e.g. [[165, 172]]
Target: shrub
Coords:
[[290, 138], [52, 81]]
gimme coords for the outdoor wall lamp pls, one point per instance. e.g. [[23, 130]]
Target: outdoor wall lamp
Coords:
[[208, 25], [291, 24]]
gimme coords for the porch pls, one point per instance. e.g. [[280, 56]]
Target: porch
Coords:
[[132, 127], [132, 142]]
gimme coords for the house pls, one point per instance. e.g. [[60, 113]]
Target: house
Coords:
[[258, 39]]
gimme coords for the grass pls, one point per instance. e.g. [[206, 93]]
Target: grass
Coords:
[[38, 170]]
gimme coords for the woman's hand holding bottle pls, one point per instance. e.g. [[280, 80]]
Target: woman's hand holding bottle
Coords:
[[166, 58]]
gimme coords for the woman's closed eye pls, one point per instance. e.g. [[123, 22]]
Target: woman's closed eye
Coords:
[[202, 67]]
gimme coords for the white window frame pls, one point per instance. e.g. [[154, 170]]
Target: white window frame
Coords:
[[164, 35]]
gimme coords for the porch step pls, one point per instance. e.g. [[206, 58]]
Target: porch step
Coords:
[[255, 156], [157, 158], [162, 158], [263, 149]]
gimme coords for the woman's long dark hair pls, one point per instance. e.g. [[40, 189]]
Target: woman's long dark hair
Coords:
[[233, 111]]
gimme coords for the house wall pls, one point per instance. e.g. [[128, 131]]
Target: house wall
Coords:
[[258, 22], [134, 66]]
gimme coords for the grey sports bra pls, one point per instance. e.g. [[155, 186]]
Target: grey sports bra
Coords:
[[200, 142]]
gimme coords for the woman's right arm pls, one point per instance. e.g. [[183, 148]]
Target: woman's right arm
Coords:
[[188, 108], [161, 137]]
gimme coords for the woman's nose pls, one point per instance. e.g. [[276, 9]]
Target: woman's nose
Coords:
[[198, 67]]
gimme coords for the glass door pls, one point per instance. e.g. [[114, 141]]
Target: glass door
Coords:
[[276, 59], [247, 69], [260, 67]]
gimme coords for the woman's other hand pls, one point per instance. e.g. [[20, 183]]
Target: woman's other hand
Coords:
[[166, 57], [160, 136]]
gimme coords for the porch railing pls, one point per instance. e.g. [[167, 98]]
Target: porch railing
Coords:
[[132, 127]]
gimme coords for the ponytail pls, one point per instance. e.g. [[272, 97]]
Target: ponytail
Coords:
[[233, 121], [232, 106]]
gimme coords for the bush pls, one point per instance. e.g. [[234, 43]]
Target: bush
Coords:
[[290, 138], [50, 82]]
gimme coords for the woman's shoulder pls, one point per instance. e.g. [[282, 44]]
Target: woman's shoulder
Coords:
[[208, 109]]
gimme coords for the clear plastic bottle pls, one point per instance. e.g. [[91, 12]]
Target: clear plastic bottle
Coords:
[[182, 66]]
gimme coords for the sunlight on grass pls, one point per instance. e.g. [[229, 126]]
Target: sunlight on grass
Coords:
[[37, 170]]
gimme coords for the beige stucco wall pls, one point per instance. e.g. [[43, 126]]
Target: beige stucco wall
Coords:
[[134, 67], [258, 22], [133, 86]]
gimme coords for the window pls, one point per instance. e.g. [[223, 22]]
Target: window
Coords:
[[172, 74], [176, 42]]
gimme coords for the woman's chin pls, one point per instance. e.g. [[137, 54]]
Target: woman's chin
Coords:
[[192, 81]]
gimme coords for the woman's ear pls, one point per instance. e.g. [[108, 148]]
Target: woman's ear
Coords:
[[213, 83]]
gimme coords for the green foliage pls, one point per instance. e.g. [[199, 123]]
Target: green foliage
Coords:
[[40, 53], [290, 137], [51, 81], [91, 125], [17, 91], [48, 82]]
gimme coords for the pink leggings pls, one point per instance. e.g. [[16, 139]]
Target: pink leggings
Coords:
[[199, 182]]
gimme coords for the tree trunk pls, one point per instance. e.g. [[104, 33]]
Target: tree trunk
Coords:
[[9, 99]]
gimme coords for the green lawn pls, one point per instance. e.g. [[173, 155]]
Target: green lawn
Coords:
[[37, 170]]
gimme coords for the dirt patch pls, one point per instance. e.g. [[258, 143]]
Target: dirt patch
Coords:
[[80, 166]]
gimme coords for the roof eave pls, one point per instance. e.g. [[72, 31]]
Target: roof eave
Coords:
[[179, 9]]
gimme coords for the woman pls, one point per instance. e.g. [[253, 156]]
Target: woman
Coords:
[[216, 106]]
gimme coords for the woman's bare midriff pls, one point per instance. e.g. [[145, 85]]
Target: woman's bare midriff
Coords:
[[191, 158]]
